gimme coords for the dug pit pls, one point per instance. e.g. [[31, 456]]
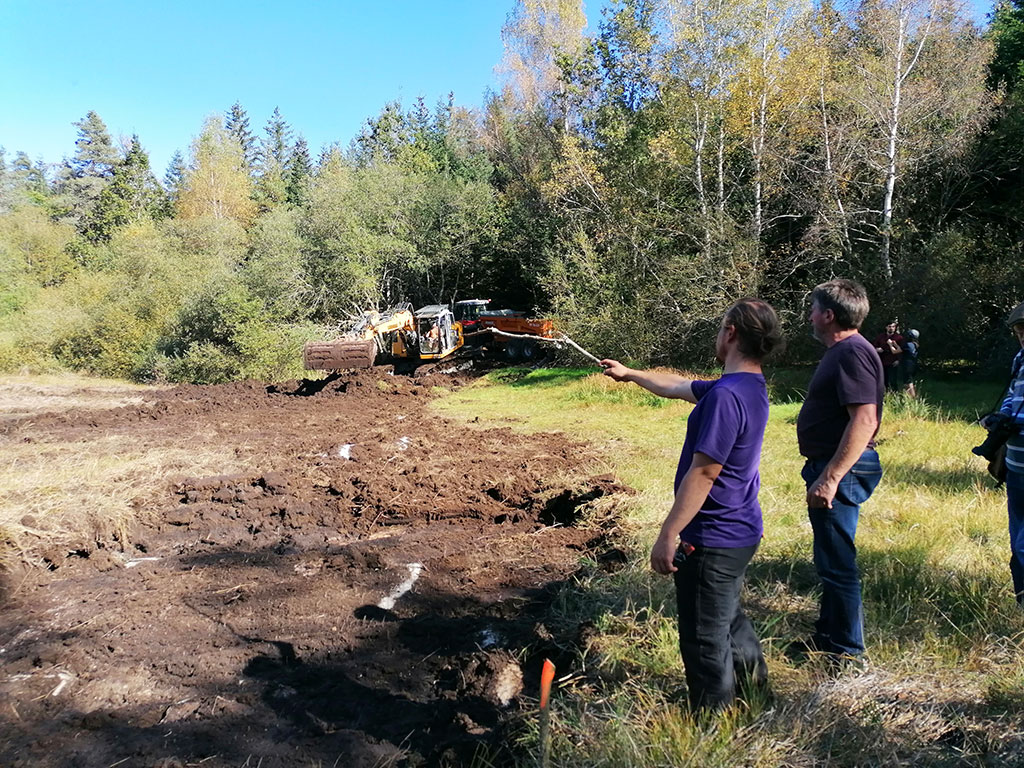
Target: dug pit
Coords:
[[371, 591]]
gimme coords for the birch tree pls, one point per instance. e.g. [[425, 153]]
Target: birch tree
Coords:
[[536, 34], [216, 184], [920, 69]]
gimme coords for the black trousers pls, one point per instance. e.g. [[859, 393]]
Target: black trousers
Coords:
[[717, 641]]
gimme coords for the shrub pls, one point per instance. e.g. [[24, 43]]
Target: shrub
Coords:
[[203, 363]]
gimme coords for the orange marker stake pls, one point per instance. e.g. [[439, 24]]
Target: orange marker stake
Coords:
[[547, 674]]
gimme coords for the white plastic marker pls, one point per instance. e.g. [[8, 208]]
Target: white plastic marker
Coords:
[[136, 560], [388, 602], [345, 451]]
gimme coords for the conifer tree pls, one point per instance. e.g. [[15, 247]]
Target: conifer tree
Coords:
[[299, 174], [89, 171], [237, 124], [29, 178], [273, 163], [5, 190], [132, 195], [174, 179]]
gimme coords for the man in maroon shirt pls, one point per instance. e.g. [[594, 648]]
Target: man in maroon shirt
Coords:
[[889, 346], [835, 432]]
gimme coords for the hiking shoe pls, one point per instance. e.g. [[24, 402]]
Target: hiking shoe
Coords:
[[846, 663], [803, 650]]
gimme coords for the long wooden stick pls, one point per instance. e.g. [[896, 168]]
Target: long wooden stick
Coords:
[[557, 340], [572, 343]]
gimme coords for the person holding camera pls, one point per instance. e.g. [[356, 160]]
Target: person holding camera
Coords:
[[889, 346], [835, 432], [1007, 425], [714, 526]]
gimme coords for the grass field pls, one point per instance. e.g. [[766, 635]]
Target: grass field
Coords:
[[945, 686]]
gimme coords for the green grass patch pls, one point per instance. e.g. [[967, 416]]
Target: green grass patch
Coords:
[[944, 633]]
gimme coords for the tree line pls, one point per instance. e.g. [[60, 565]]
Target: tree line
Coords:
[[632, 183]]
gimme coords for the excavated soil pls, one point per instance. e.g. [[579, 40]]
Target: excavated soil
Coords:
[[371, 592]]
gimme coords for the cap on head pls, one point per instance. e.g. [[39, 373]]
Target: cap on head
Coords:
[[1016, 316], [914, 333]]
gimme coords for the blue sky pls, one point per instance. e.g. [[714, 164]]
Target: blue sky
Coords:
[[158, 68]]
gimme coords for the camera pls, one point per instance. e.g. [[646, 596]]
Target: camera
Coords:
[[1000, 429]]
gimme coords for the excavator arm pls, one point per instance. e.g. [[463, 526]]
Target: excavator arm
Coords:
[[358, 348]]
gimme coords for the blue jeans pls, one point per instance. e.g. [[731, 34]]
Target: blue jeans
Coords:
[[840, 626], [1015, 507]]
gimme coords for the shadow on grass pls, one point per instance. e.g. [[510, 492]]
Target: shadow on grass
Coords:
[[539, 377], [947, 480], [906, 596]]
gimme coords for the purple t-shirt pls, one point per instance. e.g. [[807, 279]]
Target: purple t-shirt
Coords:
[[727, 425], [850, 373]]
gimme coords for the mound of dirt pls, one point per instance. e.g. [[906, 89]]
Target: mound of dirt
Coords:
[[372, 592]]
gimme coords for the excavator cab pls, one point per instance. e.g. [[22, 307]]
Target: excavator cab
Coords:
[[437, 333]]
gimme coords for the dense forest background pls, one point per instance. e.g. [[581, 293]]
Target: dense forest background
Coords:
[[631, 183]]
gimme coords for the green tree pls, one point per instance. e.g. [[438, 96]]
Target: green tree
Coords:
[[273, 162], [297, 189], [382, 138], [84, 177], [237, 124], [273, 270], [1006, 69], [174, 180], [5, 183], [28, 180], [132, 195]]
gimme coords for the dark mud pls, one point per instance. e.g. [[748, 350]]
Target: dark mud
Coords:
[[373, 592]]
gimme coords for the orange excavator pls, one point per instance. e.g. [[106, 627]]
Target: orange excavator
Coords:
[[429, 333]]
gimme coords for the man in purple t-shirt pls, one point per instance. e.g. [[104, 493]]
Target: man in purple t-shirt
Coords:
[[714, 526], [835, 432]]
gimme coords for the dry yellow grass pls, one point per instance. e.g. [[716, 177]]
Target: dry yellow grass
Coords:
[[55, 493], [30, 395]]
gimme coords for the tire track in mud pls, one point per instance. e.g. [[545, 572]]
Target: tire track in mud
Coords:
[[246, 616]]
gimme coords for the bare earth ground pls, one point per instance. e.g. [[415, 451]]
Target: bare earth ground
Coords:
[[368, 591]]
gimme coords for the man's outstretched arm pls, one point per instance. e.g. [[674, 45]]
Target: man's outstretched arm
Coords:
[[670, 385]]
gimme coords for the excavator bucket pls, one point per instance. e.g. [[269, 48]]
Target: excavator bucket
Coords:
[[339, 354]]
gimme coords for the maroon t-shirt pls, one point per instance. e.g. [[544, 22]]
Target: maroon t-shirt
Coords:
[[882, 342], [850, 373]]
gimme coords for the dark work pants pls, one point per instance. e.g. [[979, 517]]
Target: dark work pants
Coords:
[[717, 641]]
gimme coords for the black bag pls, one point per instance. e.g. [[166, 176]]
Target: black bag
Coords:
[[1002, 428], [997, 465]]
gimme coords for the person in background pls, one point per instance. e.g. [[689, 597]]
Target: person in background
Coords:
[[835, 432], [889, 346], [1013, 408], [908, 362], [714, 526]]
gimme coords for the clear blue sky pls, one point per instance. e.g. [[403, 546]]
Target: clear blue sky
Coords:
[[159, 67]]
